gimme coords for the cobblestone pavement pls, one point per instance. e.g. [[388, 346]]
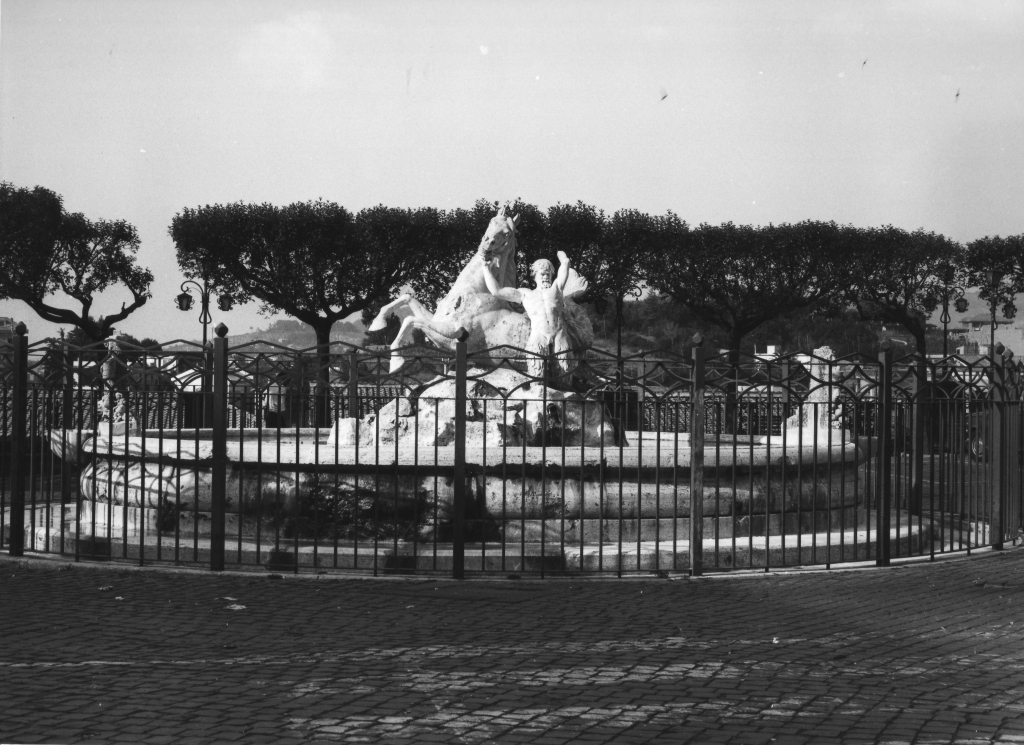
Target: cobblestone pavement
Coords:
[[924, 653]]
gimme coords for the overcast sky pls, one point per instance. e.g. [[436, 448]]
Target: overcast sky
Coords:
[[775, 112]]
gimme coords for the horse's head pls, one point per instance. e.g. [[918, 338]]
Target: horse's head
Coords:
[[500, 239]]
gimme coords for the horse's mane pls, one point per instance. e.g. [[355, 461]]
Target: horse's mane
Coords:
[[508, 269], [507, 275]]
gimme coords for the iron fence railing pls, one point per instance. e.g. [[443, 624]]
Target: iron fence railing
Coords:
[[462, 462]]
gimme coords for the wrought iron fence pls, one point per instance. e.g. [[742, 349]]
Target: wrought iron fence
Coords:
[[461, 461]]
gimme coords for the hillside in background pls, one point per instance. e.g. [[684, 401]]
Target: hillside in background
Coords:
[[297, 335], [654, 323]]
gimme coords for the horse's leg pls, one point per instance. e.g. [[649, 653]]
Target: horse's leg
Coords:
[[418, 310], [439, 332], [381, 321]]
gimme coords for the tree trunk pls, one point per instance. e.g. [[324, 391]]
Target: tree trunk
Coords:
[[729, 426], [322, 394]]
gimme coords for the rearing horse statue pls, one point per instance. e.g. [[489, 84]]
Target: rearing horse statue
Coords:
[[490, 321]]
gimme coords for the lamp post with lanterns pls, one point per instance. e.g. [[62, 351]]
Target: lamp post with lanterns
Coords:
[[1009, 309], [949, 291], [994, 278], [184, 302]]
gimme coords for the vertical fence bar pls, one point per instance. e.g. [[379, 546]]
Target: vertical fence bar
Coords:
[[697, 414], [218, 409], [915, 499], [19, 404], [1016, 463], [459, 484], [998, 448], [1012, 451], [883, 474], [67, 417], [353, 386], [207, 387]]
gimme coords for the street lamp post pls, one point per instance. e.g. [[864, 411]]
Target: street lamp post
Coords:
[[949, 291], [994, 278], [184, 302]]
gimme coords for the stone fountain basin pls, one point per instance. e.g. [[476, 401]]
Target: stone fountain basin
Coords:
[[649, 479], [310, 448]]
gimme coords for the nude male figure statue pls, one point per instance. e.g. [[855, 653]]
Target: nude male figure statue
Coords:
[[545, 306]]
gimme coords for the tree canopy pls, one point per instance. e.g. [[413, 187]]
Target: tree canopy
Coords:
[[1005, 256], [313, 260], [46, 253], [610, 251], [897, 276], [738, 277]]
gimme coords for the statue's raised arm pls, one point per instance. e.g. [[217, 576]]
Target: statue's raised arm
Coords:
[[511, 294], [563, 270]]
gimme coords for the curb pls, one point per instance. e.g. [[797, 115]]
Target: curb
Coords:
[[48, 562]]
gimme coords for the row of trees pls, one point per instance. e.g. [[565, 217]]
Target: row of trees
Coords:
[[319, 262]]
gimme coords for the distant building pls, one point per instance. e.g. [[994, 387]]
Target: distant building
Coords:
[[770, 353], [6, 330], [980, 322], [979, 333]]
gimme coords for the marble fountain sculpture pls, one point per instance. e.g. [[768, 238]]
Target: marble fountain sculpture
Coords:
[[544, 461], [480, 305]]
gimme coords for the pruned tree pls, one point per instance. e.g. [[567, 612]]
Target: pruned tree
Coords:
[[314, 261], [579, 230], [610, 251], [47, 253], [1004, 258], [897, 276], [737, 277]]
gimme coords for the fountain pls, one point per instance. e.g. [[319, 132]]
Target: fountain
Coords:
[[553, 479]]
